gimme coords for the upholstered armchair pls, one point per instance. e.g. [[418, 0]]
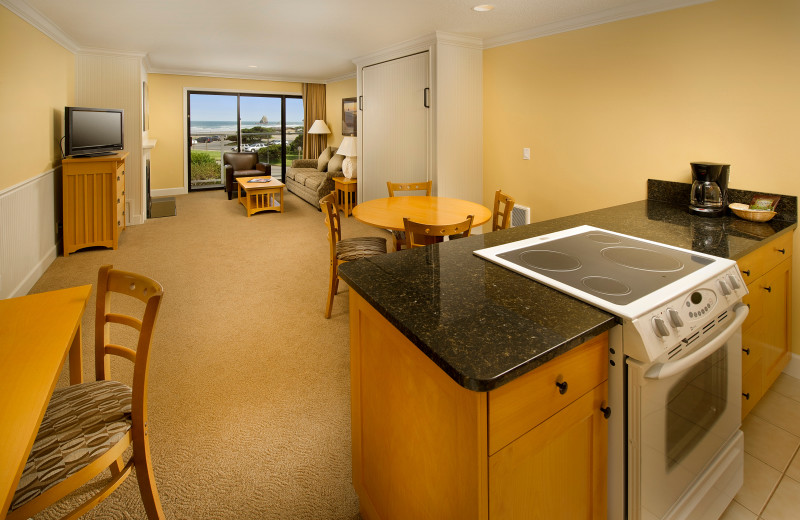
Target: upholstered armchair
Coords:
[[242, 164]]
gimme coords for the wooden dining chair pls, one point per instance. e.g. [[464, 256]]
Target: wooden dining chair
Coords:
[[87, 427], [344, 249], [502, 219], [427, 187], [420, 235]]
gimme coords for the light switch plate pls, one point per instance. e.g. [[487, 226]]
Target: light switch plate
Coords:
[[526, 153]]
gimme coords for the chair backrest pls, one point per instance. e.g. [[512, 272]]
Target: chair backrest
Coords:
[[409, 186], [332, 218], [240, 160], [421, 235], [150, 293], [502, 219]]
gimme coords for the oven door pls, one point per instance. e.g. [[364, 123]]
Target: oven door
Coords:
[[683, 417]]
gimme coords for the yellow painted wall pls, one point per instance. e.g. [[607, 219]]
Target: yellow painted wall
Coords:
[[167, 100], [334, 93], [37, 80], [605, 108]]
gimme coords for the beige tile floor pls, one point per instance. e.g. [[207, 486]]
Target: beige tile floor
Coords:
[[771, 489]]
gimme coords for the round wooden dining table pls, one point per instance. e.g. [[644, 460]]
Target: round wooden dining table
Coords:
[[388, 213]]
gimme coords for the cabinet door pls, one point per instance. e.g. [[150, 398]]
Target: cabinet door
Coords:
[[395, 124], [776, 290], [558, 469]]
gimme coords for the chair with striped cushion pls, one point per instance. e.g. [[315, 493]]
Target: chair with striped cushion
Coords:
[[88, 427], [394, 187], [344, 249]]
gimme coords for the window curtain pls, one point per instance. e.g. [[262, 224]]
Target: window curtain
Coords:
[[313, 109]]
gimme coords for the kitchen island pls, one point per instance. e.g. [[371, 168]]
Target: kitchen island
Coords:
[[456, 363]]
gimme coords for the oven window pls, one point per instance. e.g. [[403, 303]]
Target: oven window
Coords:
[[694, 404]]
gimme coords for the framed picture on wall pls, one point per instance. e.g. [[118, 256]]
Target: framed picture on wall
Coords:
[[349, 116]]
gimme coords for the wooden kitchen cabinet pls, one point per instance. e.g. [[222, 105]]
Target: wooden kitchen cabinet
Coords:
[[93, 201], [767, 331], [425, 447]]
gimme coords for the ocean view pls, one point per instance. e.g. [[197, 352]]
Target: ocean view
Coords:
[[207, 127]]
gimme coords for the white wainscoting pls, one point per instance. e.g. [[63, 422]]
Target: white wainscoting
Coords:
[[28, 236]]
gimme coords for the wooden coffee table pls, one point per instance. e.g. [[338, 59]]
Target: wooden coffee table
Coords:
[[260, 196]]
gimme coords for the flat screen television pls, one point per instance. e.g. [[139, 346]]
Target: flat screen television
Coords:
[[92, 131]]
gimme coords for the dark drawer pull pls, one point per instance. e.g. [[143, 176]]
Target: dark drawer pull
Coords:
[[117, 201], [562, 387], [606, 411], [117, 177], [782, 251], [768, 289], [746, 396], [746, 351], [747, 272]]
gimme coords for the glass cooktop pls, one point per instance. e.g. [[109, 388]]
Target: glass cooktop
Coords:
[[615, 268]]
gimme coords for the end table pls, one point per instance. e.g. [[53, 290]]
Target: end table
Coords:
[[345, 193]]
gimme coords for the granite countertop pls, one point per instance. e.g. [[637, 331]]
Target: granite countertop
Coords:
[[485, 325]]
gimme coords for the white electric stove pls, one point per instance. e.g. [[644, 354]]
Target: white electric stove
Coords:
[[675, 450]]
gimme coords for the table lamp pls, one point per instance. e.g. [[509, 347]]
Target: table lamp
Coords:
[[348, 149], [319, 127]]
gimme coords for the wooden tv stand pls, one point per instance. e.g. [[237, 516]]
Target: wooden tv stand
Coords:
[[94, 201]]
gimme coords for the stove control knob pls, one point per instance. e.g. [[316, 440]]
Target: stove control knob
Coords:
[[734, 282], [660, 327], [724, 287], [675, 318]]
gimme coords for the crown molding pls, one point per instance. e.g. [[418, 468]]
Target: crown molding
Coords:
[[460, 40], [95, 51], [642, 8], [349, 75], [40, 22], [185, 72], [403, 48]]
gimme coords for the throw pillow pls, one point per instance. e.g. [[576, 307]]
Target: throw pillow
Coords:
[[324, 157], [335, 164]]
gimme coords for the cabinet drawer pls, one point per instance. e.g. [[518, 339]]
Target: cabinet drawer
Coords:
[[520, 405], [751, 348], [765, 258], [121, 214], [751, 388]]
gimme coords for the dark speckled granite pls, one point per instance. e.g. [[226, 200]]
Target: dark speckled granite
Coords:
[[485, 325]]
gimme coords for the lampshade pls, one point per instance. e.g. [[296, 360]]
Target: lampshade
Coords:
[[319, 127], [348, 147]]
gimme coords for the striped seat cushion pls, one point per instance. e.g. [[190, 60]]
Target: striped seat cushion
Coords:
[[349, 249], [81, 423]]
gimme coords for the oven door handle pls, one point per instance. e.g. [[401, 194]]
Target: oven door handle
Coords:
[[671, 368]]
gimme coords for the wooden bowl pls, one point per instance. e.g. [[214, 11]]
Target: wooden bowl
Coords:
[[753, 215]]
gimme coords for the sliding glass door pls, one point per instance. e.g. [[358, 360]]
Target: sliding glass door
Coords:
[[219, 122]]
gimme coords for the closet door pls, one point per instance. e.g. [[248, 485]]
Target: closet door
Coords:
[[395, 127]]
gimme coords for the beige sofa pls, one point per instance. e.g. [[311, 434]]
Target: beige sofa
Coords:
[[312, 179]]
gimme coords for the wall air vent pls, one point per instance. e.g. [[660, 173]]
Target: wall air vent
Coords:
[[520, 215]]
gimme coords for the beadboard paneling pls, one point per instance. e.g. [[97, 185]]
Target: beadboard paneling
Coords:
[[108, 81], [28, 242]]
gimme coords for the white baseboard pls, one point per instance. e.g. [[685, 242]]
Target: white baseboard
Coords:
[[793, 368], [168, 192]]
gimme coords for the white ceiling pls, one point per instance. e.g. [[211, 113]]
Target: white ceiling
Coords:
[[300, 40]]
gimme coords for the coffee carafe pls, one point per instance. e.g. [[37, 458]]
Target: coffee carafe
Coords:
[[709, 188]]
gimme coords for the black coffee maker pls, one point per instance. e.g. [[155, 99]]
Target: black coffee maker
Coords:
[[709, 189]]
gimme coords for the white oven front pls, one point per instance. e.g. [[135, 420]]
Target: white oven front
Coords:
[[685, 449]]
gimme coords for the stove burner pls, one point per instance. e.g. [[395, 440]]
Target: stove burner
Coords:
[[605, 285], [603, 238], [547, 260], [642, 259]]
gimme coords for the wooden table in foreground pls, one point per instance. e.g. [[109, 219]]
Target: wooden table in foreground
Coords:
[[388, 213], [260, 196], [36, 332]]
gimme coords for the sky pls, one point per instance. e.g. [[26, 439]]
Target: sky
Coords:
[[207, 107]]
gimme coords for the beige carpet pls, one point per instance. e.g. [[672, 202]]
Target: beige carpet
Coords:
[[249, 386]]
